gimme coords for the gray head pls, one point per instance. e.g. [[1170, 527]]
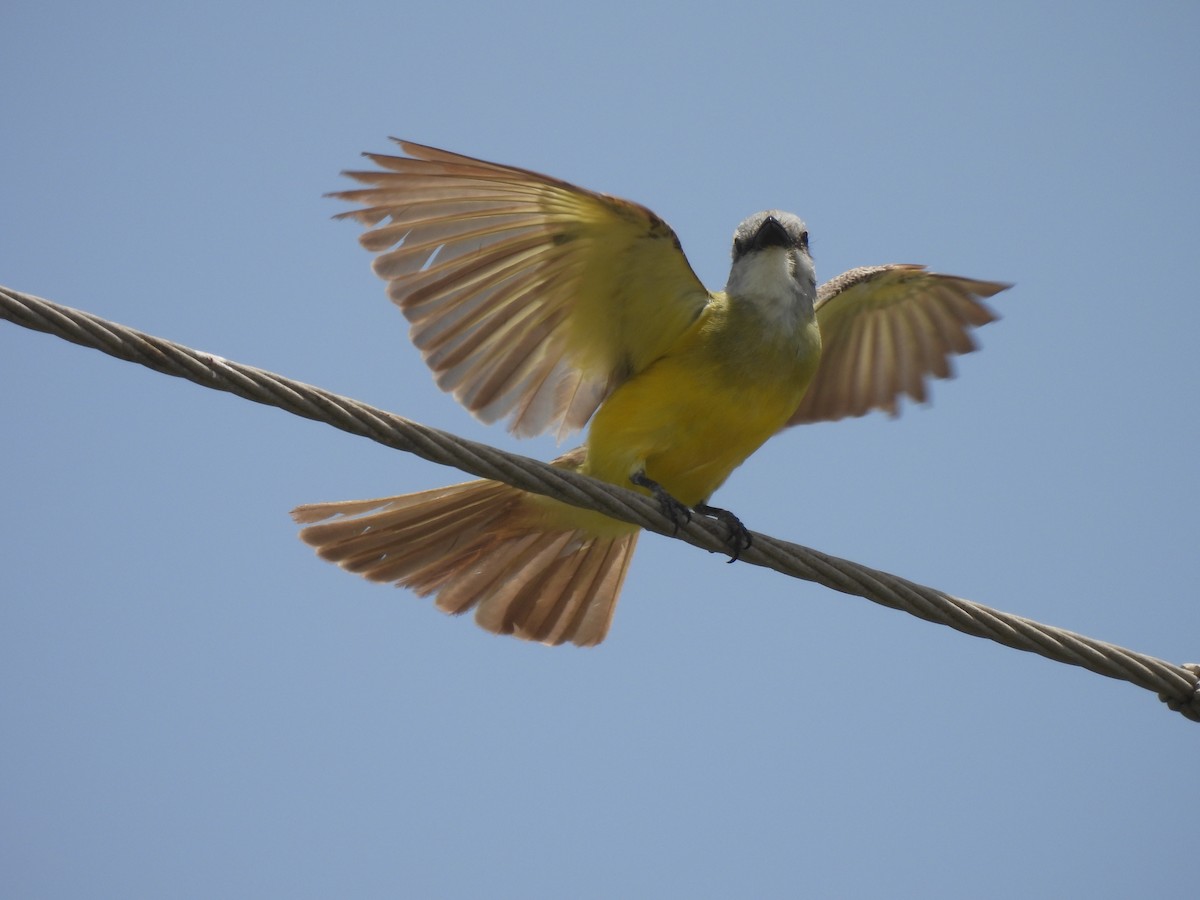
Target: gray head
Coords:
[[771, 258], [770, 228]]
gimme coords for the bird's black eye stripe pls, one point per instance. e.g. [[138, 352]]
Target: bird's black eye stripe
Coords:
[[804, 239]]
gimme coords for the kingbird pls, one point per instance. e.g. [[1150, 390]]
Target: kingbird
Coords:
[[549, 305]]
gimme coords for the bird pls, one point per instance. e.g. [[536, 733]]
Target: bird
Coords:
[[554, 307]]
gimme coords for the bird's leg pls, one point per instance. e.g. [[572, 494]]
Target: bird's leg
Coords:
[[680, 514], [739, 538], [677, 512]]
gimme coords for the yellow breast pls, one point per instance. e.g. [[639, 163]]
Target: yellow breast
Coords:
[[693, 416]]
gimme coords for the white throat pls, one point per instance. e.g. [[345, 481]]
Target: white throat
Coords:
[[779, 283]]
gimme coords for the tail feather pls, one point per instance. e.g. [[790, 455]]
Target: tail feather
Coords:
[[596, 574], [480, 545]]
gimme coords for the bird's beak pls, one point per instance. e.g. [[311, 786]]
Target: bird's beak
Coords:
[[771, 233]]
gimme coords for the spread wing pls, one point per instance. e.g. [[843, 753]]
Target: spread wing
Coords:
[[883, 330], [529, 298]]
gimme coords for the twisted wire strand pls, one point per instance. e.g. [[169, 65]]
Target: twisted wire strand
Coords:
[[1177, 686]]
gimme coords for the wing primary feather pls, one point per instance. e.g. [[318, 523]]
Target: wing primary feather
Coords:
[[467, 245], [954, 338], [888, 367], [883, 330], [921, 357], [864, 364]]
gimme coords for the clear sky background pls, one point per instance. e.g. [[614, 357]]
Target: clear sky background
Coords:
[[193, 705]]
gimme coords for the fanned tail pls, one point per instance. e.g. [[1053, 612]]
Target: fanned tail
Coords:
[[481, 544]]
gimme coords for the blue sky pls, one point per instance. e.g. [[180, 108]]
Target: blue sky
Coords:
[[195, 706]]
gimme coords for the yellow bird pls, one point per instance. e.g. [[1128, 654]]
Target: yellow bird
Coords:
[[535, 300]]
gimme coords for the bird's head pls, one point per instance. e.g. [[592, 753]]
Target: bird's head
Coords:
[[771, 258]]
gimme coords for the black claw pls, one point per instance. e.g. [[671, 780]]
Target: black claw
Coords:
[[739, 538], [677, 512]]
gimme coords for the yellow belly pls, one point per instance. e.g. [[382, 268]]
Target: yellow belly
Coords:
[[694, 416], [686, 431]]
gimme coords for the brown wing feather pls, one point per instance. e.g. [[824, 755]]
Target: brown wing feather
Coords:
[[884, 329], [529, 298]]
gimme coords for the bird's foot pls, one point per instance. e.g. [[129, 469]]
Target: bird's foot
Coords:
[[739, 537], [679, 513]]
